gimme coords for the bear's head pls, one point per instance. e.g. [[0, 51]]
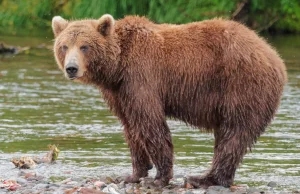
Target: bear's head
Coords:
[[87, 50]]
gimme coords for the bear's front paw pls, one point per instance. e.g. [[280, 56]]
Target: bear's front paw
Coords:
[[151, 183], [162, 182], [132, 179], [200, 181]]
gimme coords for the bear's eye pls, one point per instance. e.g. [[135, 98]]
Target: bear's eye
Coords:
[[64, 48], [84, 48]]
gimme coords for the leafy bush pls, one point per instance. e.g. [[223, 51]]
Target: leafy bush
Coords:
[[262, 15]]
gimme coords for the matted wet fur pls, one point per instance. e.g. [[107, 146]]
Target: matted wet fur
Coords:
[[216, 75]]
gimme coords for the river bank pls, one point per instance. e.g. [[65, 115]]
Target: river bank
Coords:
[[31, 181]]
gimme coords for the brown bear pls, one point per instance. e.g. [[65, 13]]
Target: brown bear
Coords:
[[216, 75]]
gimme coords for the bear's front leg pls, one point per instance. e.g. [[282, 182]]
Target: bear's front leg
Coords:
[[140, 160], [158, 146], [149, 132]]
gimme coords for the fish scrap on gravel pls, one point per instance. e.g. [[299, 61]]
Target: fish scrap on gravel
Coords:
[[26, 162]]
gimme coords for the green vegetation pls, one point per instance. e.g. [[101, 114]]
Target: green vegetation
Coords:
[[262, 15]]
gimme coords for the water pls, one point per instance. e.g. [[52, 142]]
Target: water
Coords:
[[38, 106]]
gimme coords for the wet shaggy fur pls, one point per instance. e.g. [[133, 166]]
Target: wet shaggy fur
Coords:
[[215, 75]]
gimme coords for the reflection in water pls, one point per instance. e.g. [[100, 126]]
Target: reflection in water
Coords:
[[39, 107]]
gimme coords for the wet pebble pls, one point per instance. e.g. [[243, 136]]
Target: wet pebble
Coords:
[[177, 176], [77, 179], [111, 188], [121, 184], [252, 190], [189, 192], [70, 191], [48, 192], [272, 184], [21, 181], [66, 181], [35, 178], [109, 180], [99, 184], [67, 186], [40, 186], [170, 192], [199, 191], [52, 188], [176, 181], [217, 190], [129, 191], [72, 183], [90, 187], [27, 191], [53, 185], [29, 175]]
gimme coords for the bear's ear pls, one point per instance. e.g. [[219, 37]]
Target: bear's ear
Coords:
[[58, 25], [106, 24]]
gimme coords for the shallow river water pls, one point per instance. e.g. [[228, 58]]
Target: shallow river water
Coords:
[[38, 106]]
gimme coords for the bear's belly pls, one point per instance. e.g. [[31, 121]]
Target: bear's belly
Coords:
[[196, 112]]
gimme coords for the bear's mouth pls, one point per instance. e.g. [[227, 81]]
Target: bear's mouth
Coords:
[[74, 77]]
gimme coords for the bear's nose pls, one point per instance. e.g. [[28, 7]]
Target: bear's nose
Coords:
[[71, 69]]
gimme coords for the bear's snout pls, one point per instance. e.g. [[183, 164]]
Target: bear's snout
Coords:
[[72, 70]]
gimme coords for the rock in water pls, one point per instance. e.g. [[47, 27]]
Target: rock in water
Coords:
[[272, 184]]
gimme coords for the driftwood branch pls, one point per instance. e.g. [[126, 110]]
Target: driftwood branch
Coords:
[[4, 49], [240, 7], [242, 14], [269, 24]]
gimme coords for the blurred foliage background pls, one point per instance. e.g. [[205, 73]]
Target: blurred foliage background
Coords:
[[272, 16]]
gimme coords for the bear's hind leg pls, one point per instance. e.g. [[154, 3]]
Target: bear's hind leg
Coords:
[[230, 147]]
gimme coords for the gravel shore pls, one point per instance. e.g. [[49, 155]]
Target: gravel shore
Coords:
[[29, 182]]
